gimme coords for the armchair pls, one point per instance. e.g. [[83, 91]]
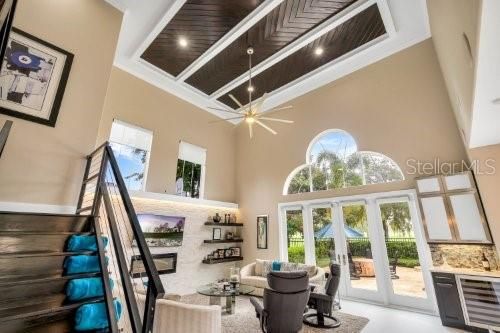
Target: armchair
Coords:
[[284, 302], [323, 302]]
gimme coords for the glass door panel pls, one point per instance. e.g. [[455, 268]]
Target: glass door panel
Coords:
[[403, 258], [295, 236], [324, 233], [359, 248]]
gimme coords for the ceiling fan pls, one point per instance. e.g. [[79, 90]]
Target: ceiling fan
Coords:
[[252, 112]]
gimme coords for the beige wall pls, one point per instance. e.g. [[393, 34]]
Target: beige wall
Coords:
[[171, 119], [42, 164], [398, 106], [489, 186], [449, 21]]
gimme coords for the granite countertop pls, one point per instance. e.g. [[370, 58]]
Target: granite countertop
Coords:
[[465, 271]]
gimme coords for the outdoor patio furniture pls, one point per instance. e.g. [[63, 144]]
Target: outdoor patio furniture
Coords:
[[365, 267], [353, 270], [393, 264]]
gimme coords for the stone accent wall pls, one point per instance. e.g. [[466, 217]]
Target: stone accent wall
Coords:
[[191, 273], [463, 256]]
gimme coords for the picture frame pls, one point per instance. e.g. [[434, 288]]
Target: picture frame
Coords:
[[262, 229], [236, 251], [221, 253], [33, 78], [216, 234], [228, 253], [161, 230]]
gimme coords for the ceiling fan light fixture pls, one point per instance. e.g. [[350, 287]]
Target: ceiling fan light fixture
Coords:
[[183, 42], [250, 119], [319, 51]]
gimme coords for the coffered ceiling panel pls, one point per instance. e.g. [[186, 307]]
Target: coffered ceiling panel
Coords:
[[283, 25], [357, 31], [194, 29]]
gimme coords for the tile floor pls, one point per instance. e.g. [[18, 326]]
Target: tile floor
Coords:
[[389, 320]]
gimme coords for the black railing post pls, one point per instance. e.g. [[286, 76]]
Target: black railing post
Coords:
[[84, 183], [4, 134], [149, 311]]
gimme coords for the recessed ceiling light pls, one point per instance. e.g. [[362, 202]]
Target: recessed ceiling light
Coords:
[[183, 42], [496, 101], [318, 51], [250, 89]]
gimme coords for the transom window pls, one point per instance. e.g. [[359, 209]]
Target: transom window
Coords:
[[190, 176], [333, 161]]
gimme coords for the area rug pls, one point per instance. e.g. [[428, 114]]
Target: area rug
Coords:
[[244, 320]]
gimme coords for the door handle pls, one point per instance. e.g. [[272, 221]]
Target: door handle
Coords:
[[343, 259]]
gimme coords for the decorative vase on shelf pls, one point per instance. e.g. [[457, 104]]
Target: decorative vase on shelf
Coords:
[[217, 218]]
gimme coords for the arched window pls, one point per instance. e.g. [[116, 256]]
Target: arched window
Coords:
[[333, 161]]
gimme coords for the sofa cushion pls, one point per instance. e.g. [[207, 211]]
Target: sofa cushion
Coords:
[[310, 269], [255, 281], [288, 267], [259, 267]]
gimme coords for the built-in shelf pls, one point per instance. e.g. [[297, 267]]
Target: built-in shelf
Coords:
[[217, 241], [224, 224], [180, 199], [219, 261]]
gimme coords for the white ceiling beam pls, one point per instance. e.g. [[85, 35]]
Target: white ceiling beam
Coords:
[[304, 40], [242, 27]]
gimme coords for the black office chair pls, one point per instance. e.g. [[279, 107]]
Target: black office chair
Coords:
[[284, 302], [323, 303]]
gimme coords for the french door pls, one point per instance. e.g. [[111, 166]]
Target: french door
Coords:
[[377, 239]]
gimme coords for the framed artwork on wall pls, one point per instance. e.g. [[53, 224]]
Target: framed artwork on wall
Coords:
[[262, 231], [217, 234], [33, 78]]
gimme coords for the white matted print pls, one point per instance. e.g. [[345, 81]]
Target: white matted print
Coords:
[[33, 77]]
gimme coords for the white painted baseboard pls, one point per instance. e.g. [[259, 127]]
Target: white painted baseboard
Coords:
[[26, 207]]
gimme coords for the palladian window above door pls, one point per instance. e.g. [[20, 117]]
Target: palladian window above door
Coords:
[[333, 161]]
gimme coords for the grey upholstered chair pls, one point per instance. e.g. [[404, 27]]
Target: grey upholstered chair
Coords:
[[284, 302], [323, 303]]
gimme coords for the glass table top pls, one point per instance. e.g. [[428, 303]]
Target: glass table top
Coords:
[[214, 291]]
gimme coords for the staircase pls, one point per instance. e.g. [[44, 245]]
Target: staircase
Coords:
[[33, 252], [32, 281]]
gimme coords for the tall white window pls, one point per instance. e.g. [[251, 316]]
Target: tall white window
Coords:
[[132, 148], [190, 177]]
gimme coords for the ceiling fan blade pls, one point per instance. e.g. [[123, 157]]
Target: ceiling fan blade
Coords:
[[236, 101], [250, 130], [281, 108], [219, 120], [266, 127], [278, 120], [218, 109]]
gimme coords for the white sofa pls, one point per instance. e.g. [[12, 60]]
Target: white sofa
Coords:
[[177, 317], [250, 277]]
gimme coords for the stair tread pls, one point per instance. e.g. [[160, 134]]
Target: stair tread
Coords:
[[37, 309], [44, 254], [44, 214], [46, 233], [17, 280]]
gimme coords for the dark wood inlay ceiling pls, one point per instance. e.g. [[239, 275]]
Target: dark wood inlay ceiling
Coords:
[[283, 25], [359, 30], [201, 23]]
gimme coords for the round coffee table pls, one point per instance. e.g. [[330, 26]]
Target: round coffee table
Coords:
[[216, 294]]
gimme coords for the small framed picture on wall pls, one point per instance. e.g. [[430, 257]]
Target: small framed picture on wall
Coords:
[[217, 234], [262, 231]]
